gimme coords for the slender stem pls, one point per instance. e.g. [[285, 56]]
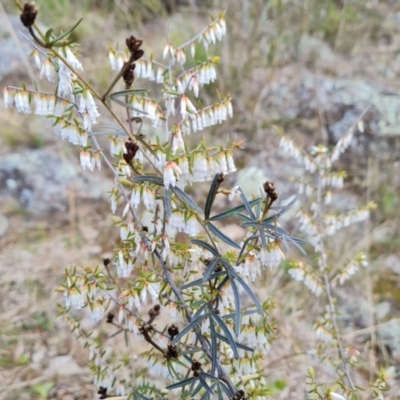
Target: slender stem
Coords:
[[328, 288], [118, 77]]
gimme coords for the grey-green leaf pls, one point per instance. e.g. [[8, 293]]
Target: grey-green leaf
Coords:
[[233, 211], [236, 297], [56, 39], [180, 384], [222, 236], [227, 333], [149, 178], [190, 327], [183, 196], [128, 92], [200, 281], [205, 245], [211, 196], [210, 269]]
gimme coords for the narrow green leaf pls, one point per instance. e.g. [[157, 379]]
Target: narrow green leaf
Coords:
[[296, 242], [251, 294], [206, 246], [206, 395], [47, 35], [126, 105], [180, 384], [149, 178], [227, 333], [274, 228], [222, 236], [211, 196], [214, 346], [233, 211], [236, 297], [244, 218], [143, 397], [208, 376], [116, 128], [183, 196], [250, 224], [128, 92], [238, 345], [210, 269], [116, 333], [204, 383], [247, 312], [280, 213], [145, 144], [247, 205], [190, 327], [58, 38], [200, 281], [167, 202], [263, 238], [226, 389], [229, 268], [200, 310], [244, 246], [193, 391], [219, 392], [126, 338]]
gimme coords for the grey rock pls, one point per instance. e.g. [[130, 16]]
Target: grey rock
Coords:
[[10, 52], [3, 225], [305, 95], [40, 181], [64, 365]]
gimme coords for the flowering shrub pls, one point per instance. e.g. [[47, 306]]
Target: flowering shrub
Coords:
[[218, 330]]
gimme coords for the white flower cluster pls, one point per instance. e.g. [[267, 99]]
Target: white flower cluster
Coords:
[[136, 297], [87, 107], [44, 103], [304, 188], [360, 260], [147, 195], [146, 108], [19, 97], [324, 332], [171, 172], [47, 70], [214, 32], [116, 60], [289, 147], [334, 180], [271, 256], [81, 293], [89, 160], [304, 273], [341, 146], [254, 336], [251, 268], [71, 132], [65, 77], [178, 222], [206, 73], [145, 69], [124, 267], [334, 223], [212, 115], [310, 229], [117, 146], [204, 169]]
